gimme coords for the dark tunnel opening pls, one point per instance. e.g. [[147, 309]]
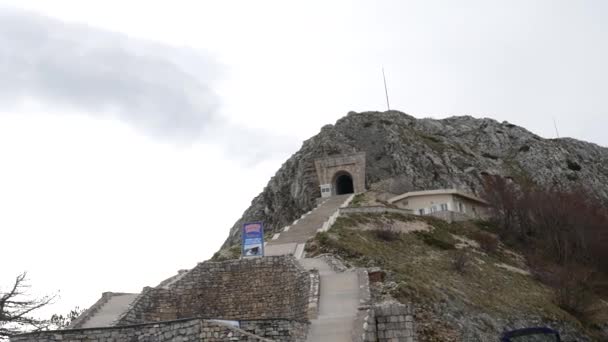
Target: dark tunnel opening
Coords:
[[344, 185]]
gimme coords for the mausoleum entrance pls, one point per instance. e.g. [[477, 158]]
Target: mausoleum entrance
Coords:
[[341, 174], [344, 184]]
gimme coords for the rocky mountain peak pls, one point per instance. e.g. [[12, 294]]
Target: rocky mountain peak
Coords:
[[405, 153]]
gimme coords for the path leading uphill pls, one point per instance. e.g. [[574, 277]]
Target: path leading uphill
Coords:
[[109, 311], [292, 239], [338, 292], [338, 303]]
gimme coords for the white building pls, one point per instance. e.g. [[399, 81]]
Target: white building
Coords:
[[451, 204]]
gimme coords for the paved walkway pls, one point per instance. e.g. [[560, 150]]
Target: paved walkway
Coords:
[[292, 240], [338, 303], [110, 311], [338, 292]]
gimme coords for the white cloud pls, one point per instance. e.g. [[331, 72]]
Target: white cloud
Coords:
[[161, 90]]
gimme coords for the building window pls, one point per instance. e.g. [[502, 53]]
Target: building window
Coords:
[[421, 211], [433, 209], [444, 207], [460, 207]]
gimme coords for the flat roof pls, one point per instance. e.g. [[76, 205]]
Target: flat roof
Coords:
[[437, 192]]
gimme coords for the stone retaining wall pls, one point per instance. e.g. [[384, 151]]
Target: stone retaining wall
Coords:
[[374, 210], [392, 322], [450, 216], [246, 289], [314, 295], [188, 330], [277, 330], [364, 312], [183, 330]]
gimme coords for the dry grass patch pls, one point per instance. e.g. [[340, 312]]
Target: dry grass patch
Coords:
[[423, 266]]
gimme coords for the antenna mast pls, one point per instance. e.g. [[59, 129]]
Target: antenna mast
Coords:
[[385, 89], [555, 125]]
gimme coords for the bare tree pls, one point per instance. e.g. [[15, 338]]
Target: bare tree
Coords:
[[16, 308], [64, 321]]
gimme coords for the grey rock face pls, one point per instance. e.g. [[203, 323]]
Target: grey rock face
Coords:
[[427, 154]]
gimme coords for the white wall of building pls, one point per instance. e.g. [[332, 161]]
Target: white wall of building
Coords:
[[426, 204]]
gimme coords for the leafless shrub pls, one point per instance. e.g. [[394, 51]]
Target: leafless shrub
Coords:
[[573, 289], [564, 234], [569, 226], [16, 308], [461, 261], [487, 241], [387, 233]]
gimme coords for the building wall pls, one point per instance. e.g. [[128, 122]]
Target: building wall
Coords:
[[425, 202], [470, 208], [246, 289], [327, 168]]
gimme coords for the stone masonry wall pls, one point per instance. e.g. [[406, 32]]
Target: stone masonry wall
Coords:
[[247, 289], [182, 330], [190, 330], [277, 330], [391, 322]]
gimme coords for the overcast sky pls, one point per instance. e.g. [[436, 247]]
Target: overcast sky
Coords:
[[134, 133]]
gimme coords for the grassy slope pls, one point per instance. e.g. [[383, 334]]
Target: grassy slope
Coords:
[[421, 264]]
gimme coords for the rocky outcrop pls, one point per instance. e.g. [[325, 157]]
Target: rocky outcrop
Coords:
[[405, 153]]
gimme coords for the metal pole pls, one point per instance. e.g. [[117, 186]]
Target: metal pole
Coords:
[[385, 90], [555, 125]]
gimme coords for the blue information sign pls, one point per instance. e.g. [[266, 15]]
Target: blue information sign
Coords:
[[253, 239]]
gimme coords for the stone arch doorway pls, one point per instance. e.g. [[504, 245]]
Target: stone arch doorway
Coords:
[[329, 170], [343, 183]]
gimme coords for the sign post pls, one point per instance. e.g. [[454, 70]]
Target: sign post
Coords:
[[253, 240]]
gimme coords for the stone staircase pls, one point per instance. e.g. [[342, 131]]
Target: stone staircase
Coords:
[[292, 239], [338, 292], [110, 310]]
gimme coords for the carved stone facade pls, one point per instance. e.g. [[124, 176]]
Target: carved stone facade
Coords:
[[341, 174]]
